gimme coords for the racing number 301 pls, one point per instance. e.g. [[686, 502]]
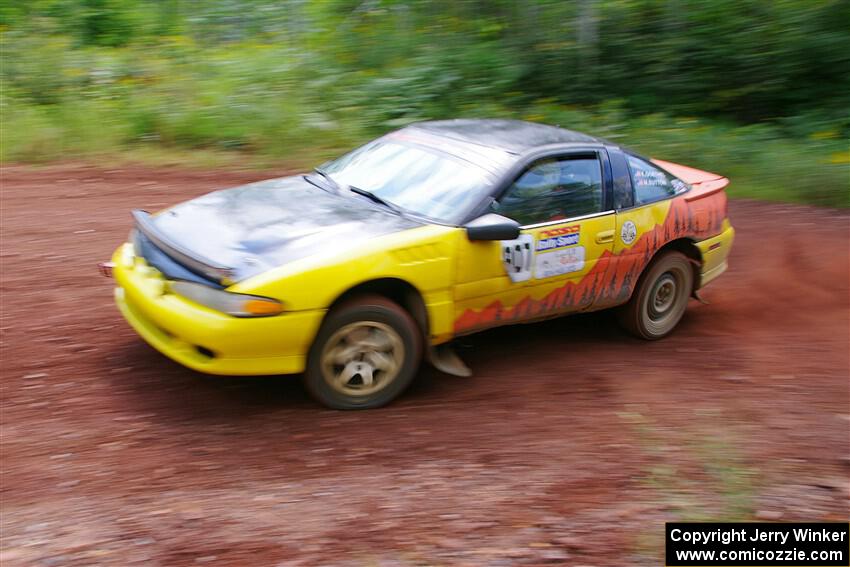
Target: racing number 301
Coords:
[[517, 256]]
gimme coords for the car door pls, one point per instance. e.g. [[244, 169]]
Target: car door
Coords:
[[562, 203], [642, 196]]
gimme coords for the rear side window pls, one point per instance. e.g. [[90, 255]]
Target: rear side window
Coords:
[[651, 183]]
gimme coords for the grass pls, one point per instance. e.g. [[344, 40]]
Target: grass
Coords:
[[760, 164], [260, 106], [696, 475], [707, 481]]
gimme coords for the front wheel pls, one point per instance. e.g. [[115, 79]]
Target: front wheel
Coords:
[[661, 297], [366, 353]]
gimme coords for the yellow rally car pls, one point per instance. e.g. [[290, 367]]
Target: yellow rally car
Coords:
[[354, 272]]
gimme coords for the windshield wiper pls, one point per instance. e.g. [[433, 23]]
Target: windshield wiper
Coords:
[[380, 200], [331, 181]]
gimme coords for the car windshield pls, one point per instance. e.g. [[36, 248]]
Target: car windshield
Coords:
[[423, 181]]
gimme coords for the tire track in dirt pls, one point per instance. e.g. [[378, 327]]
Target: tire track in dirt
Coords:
[[572, 442]]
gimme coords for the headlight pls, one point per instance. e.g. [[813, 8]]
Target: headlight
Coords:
[[236, 304]]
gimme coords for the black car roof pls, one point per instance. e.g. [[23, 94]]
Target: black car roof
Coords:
[[515, 136]]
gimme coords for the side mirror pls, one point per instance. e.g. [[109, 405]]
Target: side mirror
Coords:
[[492, 227]]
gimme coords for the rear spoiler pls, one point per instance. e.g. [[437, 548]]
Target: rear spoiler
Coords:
[[704, 182], [192, 261]]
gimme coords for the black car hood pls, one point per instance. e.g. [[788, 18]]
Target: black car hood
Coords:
[[257, 227]]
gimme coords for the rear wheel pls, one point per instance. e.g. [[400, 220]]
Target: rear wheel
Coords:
[[366, 353], [661, 297]]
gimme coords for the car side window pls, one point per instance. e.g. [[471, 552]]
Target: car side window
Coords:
[[651, 183], [554, 189]]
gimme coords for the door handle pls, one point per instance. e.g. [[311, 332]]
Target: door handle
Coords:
[[605, 236]]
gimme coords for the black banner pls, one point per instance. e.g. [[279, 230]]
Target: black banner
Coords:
[[757, 544]]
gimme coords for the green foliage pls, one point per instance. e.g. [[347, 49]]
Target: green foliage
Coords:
[[768, 83]]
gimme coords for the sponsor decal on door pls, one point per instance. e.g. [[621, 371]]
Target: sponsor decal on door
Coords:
[[559, 262]]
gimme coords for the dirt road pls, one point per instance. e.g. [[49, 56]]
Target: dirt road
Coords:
[[572, 443]]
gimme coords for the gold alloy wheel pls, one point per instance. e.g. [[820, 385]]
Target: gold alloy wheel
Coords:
[[362, 358]]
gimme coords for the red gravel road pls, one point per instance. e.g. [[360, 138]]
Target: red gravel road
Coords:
[[572, 443]]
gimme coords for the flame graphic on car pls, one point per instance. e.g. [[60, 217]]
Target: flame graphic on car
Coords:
[[614, 276]]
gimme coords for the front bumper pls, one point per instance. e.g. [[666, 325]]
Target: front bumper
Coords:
[[204, 339]]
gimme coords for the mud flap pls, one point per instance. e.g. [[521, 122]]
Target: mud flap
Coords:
[[695, 293], [445, 359], [699, 298]]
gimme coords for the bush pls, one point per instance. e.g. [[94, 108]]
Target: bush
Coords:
[[87, 77]]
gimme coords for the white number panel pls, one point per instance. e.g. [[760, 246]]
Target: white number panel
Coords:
[[517, 257]]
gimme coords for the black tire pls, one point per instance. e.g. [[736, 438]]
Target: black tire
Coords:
[[348, 366], [660, 299]]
